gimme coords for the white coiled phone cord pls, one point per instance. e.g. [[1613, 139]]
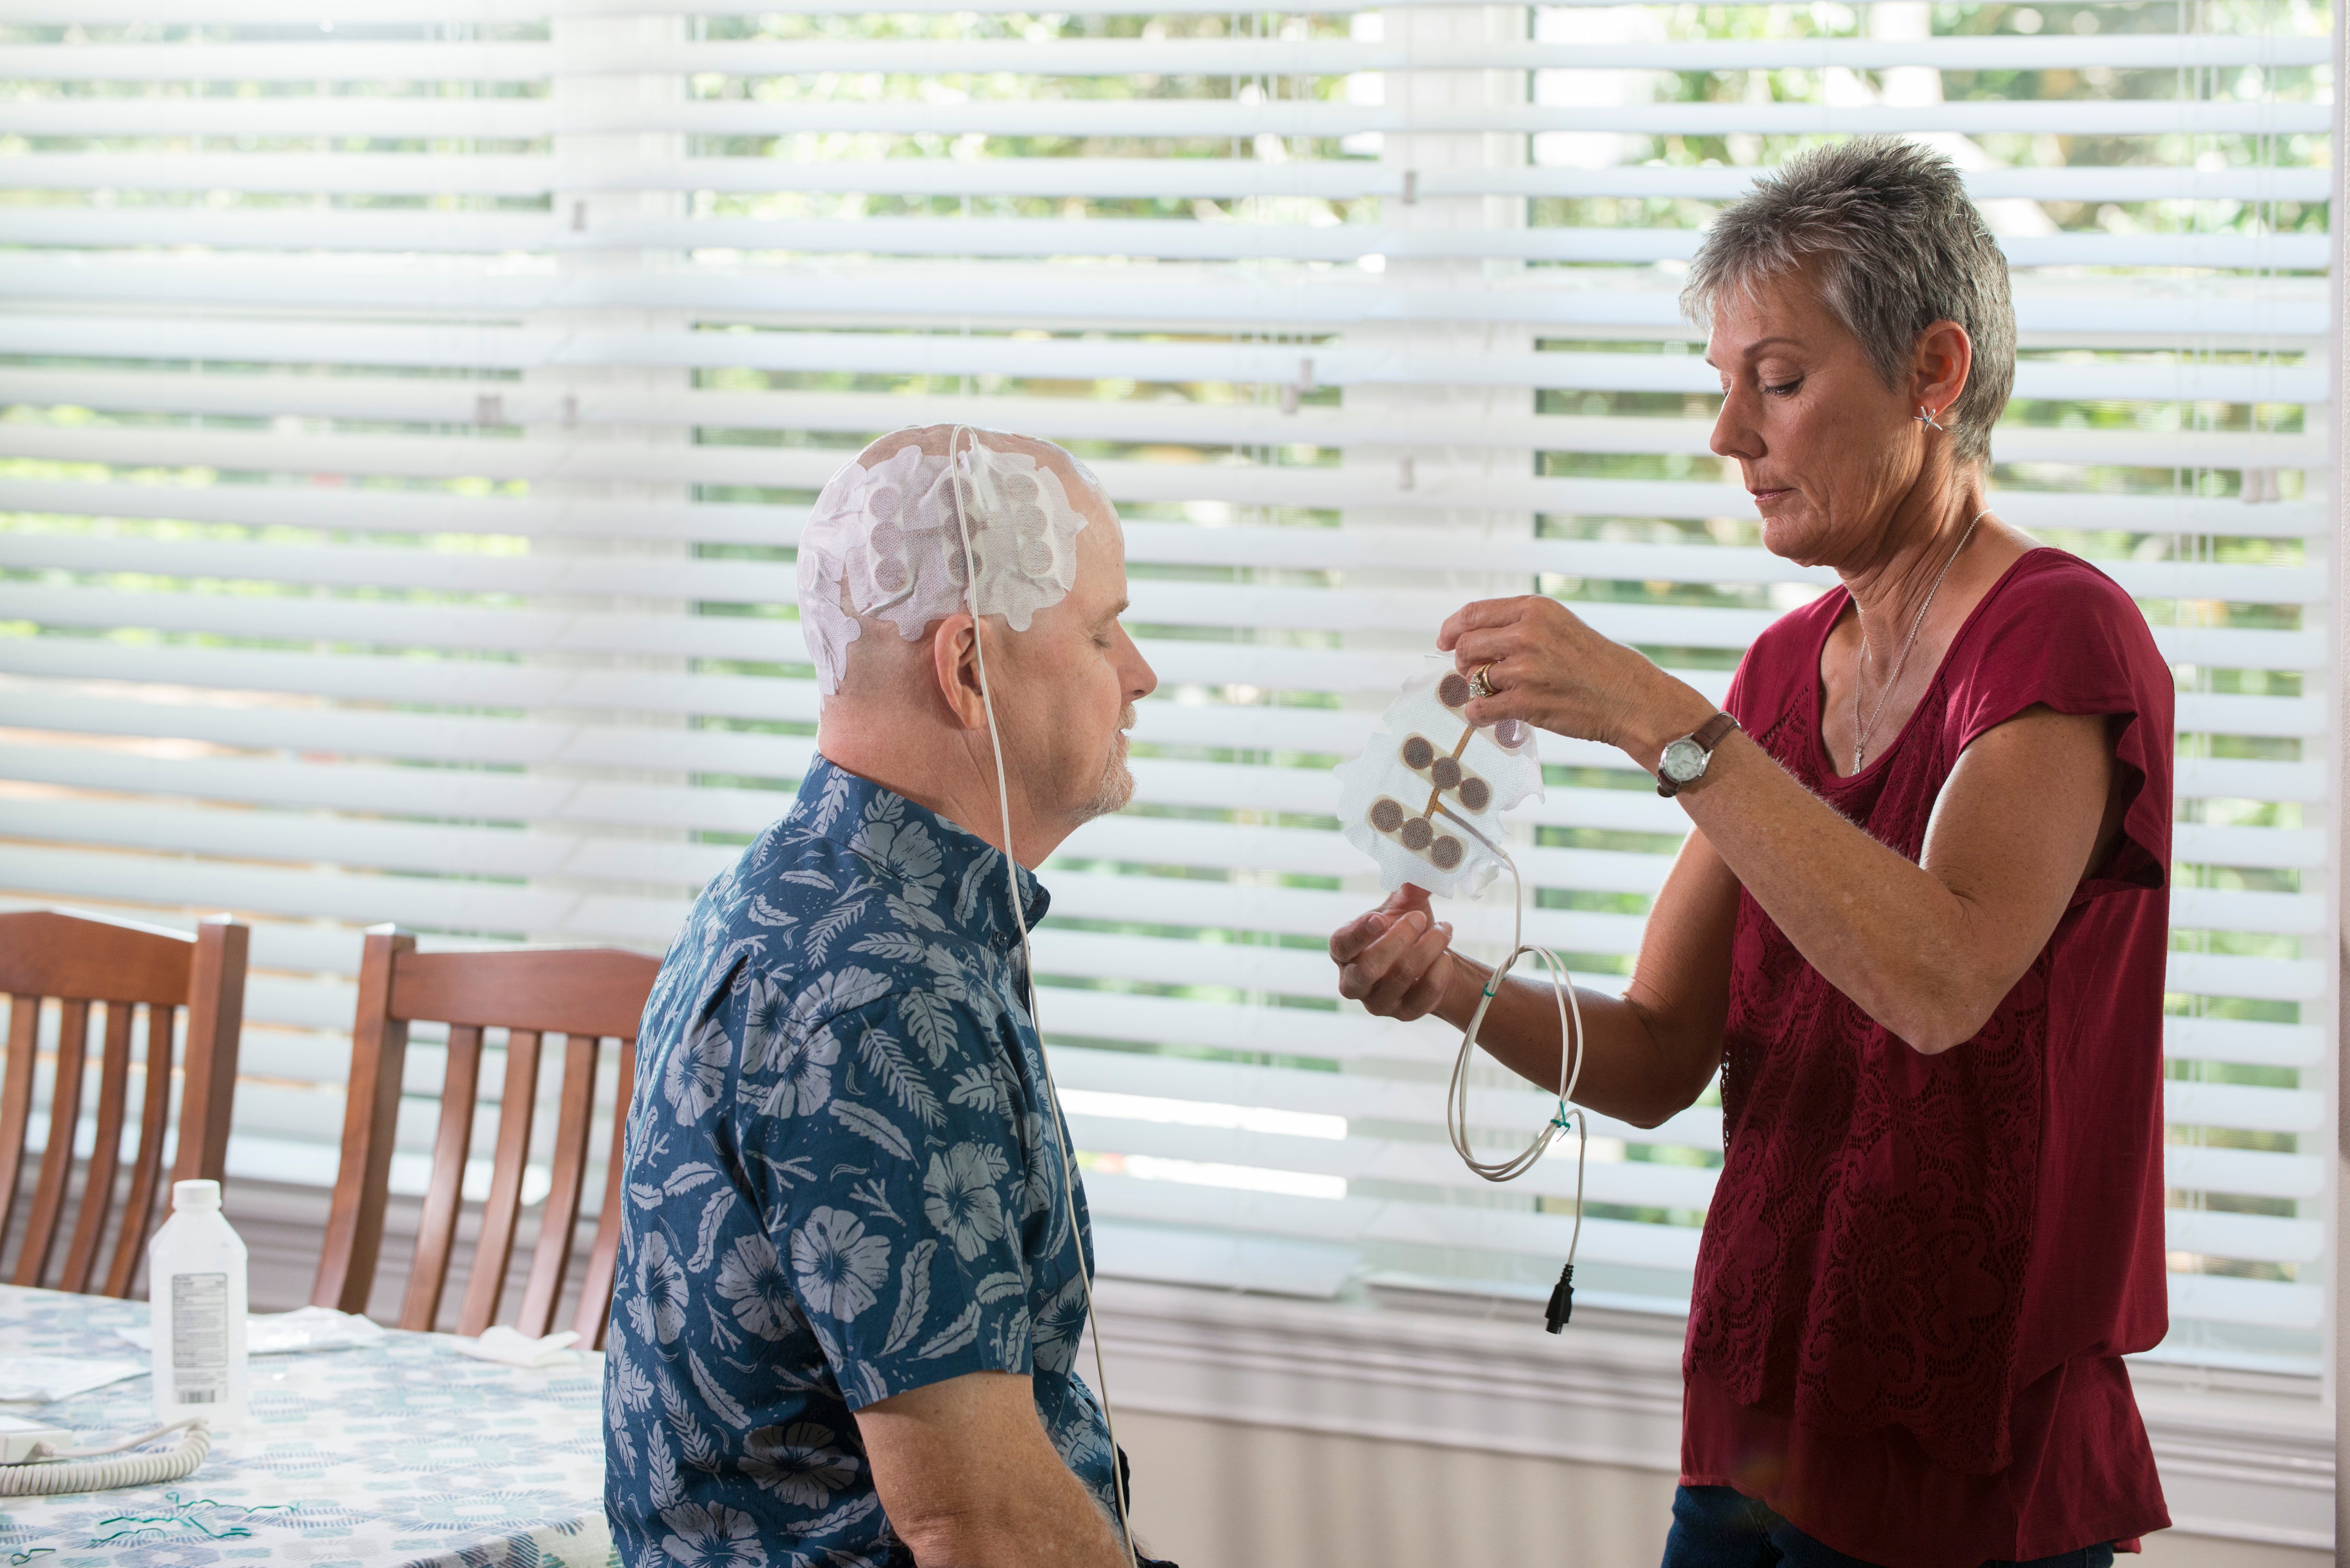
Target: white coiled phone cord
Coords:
[[1570, 1056], [47, 1470], [1028, 968]]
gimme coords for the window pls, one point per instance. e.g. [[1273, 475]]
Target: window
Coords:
[[408, 424]]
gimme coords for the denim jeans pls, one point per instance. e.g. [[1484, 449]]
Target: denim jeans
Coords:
[[1714, 1527]]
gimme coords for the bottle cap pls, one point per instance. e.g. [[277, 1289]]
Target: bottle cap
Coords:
[[195, 1195]]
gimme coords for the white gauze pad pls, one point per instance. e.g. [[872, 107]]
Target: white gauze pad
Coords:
[[885, 541], [1429, 784]]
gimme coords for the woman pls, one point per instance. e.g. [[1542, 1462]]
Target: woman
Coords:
[[1918, 926]]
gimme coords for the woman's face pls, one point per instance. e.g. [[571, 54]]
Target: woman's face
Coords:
[[1825, 448]]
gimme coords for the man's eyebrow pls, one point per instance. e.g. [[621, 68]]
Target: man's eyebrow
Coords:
[[1115, 611], [1753, 349]]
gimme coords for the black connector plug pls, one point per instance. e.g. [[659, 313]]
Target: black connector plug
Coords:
[[1562, 1302]]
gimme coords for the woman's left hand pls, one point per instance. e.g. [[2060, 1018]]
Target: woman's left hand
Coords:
[[1551, 669]]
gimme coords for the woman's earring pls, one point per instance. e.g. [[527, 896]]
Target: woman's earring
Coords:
[[1926, 418]]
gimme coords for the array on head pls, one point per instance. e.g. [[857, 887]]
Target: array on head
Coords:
[[886, 540], [1884, 230]]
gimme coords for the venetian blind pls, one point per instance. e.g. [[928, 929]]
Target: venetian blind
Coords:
[[411, 411]]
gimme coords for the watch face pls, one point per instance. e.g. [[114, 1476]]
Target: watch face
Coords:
[[1683, 761]]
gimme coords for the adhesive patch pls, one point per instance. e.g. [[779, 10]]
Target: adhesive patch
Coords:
[[1425, 799], [886, 542]]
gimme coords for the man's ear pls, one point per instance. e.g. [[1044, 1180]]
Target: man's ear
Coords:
[[1945, 357], [955, 666]]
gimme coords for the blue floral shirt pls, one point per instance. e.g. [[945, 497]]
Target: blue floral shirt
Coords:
[[840, 1186]]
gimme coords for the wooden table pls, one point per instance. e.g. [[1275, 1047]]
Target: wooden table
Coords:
[[405, 1452]]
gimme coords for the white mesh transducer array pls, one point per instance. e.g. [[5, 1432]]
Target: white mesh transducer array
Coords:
[[1426, 797], [884, 540]]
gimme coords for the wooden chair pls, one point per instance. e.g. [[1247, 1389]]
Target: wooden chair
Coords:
[[585, 994], [81, 964]]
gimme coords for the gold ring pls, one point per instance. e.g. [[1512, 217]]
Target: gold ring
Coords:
[[1480, 683]]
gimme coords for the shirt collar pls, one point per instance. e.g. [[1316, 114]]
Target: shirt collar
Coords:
[[967, 887]]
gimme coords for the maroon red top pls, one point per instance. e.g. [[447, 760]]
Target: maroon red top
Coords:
[[1920, 1273]]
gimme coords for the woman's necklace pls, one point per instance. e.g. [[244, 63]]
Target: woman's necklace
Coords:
[[1862, 731]]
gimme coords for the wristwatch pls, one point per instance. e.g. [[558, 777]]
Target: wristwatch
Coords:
[[1685, 760]]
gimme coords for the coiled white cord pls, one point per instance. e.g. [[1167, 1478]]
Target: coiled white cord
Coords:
[[45, 1469], [1570, 1059], [1028, 976]]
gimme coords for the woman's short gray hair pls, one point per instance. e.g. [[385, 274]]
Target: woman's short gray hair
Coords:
[[1885, 228]]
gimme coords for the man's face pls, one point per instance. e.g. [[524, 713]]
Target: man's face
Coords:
[[1073, 678]]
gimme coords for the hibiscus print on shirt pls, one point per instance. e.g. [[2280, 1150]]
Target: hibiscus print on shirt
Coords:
[[836, 1265], [964, 1201]]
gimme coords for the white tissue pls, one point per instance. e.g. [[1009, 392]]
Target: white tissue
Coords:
[[44, 1379], [503, 1345]]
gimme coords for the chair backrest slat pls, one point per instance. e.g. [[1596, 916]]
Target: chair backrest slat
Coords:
[[147, 1159], [595, 1286], [57, 1157], [436, 1229], [517, 1106], [559, 1216], [585, 994], [106, 1155], [82, 964]]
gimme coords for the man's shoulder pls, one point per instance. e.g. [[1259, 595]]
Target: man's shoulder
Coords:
[[818, 925], [857, 917]]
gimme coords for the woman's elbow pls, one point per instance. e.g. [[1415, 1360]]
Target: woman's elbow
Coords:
[[1660, 1103], [1934, 1023]]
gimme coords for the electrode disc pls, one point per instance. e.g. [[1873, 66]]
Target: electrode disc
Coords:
[[1418, 753], [1417, 833], [1385, 815], [1475, 792], [1453, 690], [1446, 853], [1445, 772], [1510, 733]]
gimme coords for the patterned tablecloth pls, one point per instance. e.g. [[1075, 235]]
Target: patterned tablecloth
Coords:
[[406, 1453]]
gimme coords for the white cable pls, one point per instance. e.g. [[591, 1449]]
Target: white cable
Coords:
[[1570, 1054], [47, 1470], [1028, 976]]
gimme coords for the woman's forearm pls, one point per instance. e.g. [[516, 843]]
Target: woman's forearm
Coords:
[[1632, 1069]]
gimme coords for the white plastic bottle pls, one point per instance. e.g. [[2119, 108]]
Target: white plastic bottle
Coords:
[[196, 1295]]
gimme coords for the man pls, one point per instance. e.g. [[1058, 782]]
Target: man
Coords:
[[850, 1296]]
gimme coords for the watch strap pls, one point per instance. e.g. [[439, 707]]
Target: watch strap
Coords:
[[1705, 737], [1714, 730]]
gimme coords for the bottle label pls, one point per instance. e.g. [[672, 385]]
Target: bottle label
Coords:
[[198, 1339]]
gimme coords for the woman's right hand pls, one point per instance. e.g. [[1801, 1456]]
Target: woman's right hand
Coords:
[[1393, 959]]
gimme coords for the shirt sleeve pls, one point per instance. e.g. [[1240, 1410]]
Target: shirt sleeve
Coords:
[[891, 1179], [2066, 637]]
